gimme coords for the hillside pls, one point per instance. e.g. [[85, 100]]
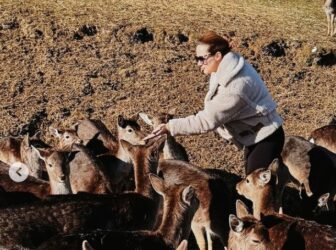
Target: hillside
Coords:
[[64, 60]]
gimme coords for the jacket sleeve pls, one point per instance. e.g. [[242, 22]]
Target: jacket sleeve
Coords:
[[220, 110]]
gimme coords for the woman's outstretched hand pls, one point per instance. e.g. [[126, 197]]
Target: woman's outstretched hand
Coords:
[[159, 130]]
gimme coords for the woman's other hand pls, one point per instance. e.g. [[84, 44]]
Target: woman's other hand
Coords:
[[161, 129]]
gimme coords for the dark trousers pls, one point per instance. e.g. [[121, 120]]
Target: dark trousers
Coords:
[[261, 154]]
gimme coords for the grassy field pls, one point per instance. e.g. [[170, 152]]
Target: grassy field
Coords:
[[64, 60]]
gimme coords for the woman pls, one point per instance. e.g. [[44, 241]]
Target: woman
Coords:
[[238, 105]]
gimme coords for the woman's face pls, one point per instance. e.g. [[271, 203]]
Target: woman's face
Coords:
[[208, 63]]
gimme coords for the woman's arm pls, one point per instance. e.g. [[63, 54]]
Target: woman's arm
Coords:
[[221, 109]]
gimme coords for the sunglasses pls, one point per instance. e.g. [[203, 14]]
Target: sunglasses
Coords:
[[202, 58]]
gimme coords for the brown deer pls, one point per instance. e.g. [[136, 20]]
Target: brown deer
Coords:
[[214, 196], [172, 149], [180, 205], [30, 225], [96, 136], [330, 10], [325, 137], [65, 138], [115, 160], [14, 149], [87, 174], [56, 164], [277, 232], [260, 188]]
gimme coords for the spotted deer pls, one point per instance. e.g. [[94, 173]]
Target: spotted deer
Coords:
[[214, 196], [180, 205], [172, 149], [13, 149], [325, 137], [30, 225], [56, 164], [330, 10], [277, 232]]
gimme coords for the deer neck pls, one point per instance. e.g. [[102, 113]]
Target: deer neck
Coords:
[[264, 204], [174, 228], [122, 155], [168, 149], [142, 168], [57, 187]]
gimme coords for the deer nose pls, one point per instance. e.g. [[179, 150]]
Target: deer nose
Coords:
[[63, 177]]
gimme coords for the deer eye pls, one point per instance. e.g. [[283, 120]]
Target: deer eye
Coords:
[[247, 181], [50, 165], [67, 137], [129, 130]]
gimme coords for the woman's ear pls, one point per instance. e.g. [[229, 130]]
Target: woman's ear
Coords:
[[218, 56]]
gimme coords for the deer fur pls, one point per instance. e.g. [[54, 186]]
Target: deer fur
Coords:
[[14, 149], [84, 212], [213, 194], [96, 136], [15, 198], [87, 174], [172, 149], [114, 160], [65, 138], [277, 232], [325, 137], [180, 205], [56, 165], [330, 10]]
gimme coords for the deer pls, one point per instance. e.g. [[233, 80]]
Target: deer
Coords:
[[277, 232], [330, 10], [180, 205], [172, 149], [14, 149], [56, 164], [325, 137], [115, 160], [30, 225], [213, 193], [65, 138], [260, 188]]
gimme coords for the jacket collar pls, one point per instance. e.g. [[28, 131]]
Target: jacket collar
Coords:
[[229, 67]]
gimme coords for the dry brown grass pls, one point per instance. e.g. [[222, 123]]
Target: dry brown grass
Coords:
[[48, 73]]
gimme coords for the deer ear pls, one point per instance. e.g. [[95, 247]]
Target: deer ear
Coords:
[[187, 194], [55, 132], [75, 126], [157, 184], [86, 245], [275, 165], [236, 224], [323, 200], [41, 153], [264, 177], [183, 245], [26, 140], [241, 209], [148, 120], [121, 121]]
